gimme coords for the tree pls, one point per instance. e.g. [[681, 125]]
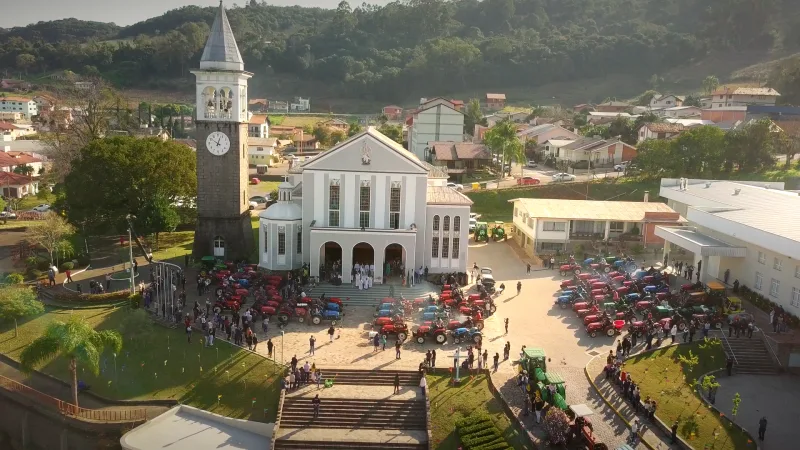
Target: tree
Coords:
[[3, 205], [114, 177], [691, 100], [25, 61], [23, 170], [382, 118], [710, 84], [645, 98], [556, 423], [354, 129], [337, 136], [752, 147], [393, 132], [322, 134], [51, 233], [16, 302], [75, 340], [473, 116], [156, 216], [502, 139]]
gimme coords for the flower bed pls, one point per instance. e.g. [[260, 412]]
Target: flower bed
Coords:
[[766, 305], [93, 299]]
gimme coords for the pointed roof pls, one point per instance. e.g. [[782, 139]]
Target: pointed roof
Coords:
[[221, 51]]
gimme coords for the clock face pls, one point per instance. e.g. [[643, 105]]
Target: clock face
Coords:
[[218, 143]]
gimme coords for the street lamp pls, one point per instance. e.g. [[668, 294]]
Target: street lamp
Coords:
[[282, 347]]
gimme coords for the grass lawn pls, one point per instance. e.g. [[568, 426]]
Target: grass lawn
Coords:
[[448, 404], [174, 245], [493, 204], [301, 121], [157, 362], [663, 377], [13, 223], [29, 201]]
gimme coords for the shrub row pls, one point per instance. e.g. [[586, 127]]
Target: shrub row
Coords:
[[108, 297], [766, 305], [478, 432]]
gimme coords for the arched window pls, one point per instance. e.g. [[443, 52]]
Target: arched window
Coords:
[[435, 223], [457, 223], [446, 223], [209, 102]]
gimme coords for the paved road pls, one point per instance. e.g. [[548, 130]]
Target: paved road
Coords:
[[545, 176]]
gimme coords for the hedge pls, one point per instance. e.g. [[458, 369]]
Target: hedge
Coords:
[[766, 305], [478, 432], [73, 297], [67, 266]]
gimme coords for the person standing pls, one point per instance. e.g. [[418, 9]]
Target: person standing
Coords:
[[433, 358], [270, 345], [634, 437], [397, 349], [485, 358], [383, 342], [762, 428], [255, 341], [376, 342], [506, 325], [423, 383], [331, 332], [396, 383], [673, 332], [108, 282], [311, 341], [674, 432], [496, 361], [68, 273], [265, 325], [538, 405], [529, 268]]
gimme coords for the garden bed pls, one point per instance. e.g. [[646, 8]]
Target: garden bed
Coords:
[[95, 299]]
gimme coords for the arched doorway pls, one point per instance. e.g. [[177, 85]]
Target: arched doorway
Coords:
[[330, 257], [363, 254], [219, 247], [394, 262]]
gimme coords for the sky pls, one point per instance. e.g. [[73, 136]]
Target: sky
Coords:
[[121, 12]]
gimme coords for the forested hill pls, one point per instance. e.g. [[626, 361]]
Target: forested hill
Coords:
[[392, 52]]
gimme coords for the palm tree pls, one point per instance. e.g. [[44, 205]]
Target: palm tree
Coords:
[[77, 341], [710, 84], [502, 139]]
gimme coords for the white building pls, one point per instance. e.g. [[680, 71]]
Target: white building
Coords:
[[260, 150], [23, 105], [300, 104], [258, 126], [681, 111], [659, 130], [666, 101], [746, 229], [366, 201], [597, 150], [743, 96], [545, 132], [437, 120]]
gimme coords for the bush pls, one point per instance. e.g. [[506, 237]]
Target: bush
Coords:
[[82, 259], [109, 297], [67, 266], [136, 301], [31, 262], [34, 274], [43, 264], [479, 432], [14, 278]]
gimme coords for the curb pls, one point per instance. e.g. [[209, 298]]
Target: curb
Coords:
[[699, 391]]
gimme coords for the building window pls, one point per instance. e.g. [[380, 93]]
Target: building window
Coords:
[[445, 247], [457, 224], [281, 243], [530, 223], [435, 248], [435, 223], [774, 287], [446, 223], [762, 258], [553, 246], [795, 298], [394, 206], [299, 241], [456, 247], [266, 241], [333, 205], [777, 264], [759, 281], [797, 271], [617, 227], [516, 212], [363, 204], [554, 226]]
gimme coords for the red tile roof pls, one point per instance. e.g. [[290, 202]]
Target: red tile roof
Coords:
[[665, 127], [15, 98], [11, 159], [450, 151], [258, 119], [14, 179], [496, 96], [5, 126]]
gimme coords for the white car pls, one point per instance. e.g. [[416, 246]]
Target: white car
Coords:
[[563, 177], [8, 215], [253, 205], [458, 187], [472, 224], [532, 165], [44, 207], [621, 166]]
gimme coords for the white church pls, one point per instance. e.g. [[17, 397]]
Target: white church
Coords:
[[366, 202]]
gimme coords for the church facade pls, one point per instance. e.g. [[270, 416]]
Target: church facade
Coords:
[[366, 202]]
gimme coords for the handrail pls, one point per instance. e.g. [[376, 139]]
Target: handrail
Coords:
[[725, 338], [766, 340], [68, 409]]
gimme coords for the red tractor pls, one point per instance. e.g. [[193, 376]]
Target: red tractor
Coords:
[[607, 327], [230, 303], [428, 331], [381, 321], [399, 328], [569, 268], [287, 311]]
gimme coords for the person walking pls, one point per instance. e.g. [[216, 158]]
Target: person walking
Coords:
[[519, 289], [311, 341], [383, 342], [674, 432], [255, 341], [189, 333], [673, 332], [270, 345], [396, 383], [485, 358], [423, 383], [68, 273], [331, 332], [762, 428], [265, 325], [529, 268], [538, 405], [108, 282], [316, 402], [376, 342], [496, 361], [397, 349], [506, 324], [433, 358], [634, 436]]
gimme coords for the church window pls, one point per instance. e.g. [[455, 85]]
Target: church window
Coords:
[[435, 247], [394, 206], [333, 204], [435, 223], [281, 242], [210, 102], [299, 241], [445, 247], [456, 224], [446, 223], [456, 248], [363, 205], [266, 241]]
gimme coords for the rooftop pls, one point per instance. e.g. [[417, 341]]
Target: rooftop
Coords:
[[452, 151], [443, 195], [587, 143], [14, 98], [662, 127], [536, 130], [546, 208], [610, 114], [747, 91], [14, 179], [615, 103], [699, 243], [258, 119], [16, 158], [496, 96], [221, 51]]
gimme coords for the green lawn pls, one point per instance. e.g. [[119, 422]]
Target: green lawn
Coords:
[[13, 223], [448, 404], [173, 245], [493, 204], [157, 362], [32, 200], [663, 377]]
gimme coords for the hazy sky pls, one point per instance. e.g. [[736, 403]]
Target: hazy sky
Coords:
[[121, 12]]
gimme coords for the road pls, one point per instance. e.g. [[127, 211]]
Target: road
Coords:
[[545, 176]]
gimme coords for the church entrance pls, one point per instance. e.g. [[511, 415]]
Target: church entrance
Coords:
[[394, 262], [363, 254], [330, 261], [219, 247]]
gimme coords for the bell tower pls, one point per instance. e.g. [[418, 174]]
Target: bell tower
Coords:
[[223, 215]]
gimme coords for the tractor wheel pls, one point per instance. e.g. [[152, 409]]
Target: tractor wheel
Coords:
[[577, 271], [441, 338], [563, 305], [218, 292], [562, 273], [607, 269], [479, 326], [283, 317], [333, 323], [593, 334], [456, 340], [493, 309], [316, 320], [401, 337], [718, 325], [420, 339], [681, 327], [611, 332], [477, 339], [301, 319]]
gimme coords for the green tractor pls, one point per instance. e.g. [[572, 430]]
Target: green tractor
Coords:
[[481, 232], [498, 232]]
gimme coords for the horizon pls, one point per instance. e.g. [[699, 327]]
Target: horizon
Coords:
[[123, 13]]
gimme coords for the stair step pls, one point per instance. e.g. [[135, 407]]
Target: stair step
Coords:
[[281, 444], [356, 425]]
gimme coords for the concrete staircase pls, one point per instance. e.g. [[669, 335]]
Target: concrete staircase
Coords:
[[352, 296], [358, 412], [751, 355]]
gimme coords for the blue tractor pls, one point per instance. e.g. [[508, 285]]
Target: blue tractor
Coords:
[[331, 312], [466, 335], [432, 312]]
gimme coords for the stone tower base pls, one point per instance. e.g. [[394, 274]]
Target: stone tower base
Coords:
[[237, 233]]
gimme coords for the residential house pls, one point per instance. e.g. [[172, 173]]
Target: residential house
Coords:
[[724, 113], [598, 151], [12, 116], [705, 102], [613, 107], [278, 106], [258, 104], [14, 85], [10, 159], [84, 84], [551, 148], [300, 104], [336, 124], [260, 151], [681, 111], [460, 158], [545, 132], [14, 185], [666, 101], [743, 96], [479, 132], [543, 225], [392, 112], [280, 130], [437, 120], [258, 126], [659, 130], [304, 142], [16, 131], [605, 117], [550, 120], [495, 101], [457, 104], [689, 123], [583, 106], [24, 105]]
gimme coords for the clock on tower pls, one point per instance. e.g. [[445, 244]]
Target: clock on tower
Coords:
[[223, 216]]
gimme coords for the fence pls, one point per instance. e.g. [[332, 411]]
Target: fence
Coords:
[[68, 409]]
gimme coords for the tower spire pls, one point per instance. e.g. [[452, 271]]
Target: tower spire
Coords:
[[221, 51]]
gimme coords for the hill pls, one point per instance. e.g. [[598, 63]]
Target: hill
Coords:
[[412, 48]]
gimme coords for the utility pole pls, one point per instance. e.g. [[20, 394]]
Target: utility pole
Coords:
[[130, 249]]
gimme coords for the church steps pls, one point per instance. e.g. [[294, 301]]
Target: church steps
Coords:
[[352, 296]]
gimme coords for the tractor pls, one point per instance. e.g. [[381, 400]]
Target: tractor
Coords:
[[481, 232], [498, 232]]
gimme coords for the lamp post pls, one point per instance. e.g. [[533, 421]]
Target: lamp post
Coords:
[[456, 360], [130, 250], [282, 347]]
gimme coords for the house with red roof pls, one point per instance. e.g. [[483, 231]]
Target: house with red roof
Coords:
[[14, 185], [393, 112]]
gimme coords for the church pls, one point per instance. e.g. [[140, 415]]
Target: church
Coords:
[[367, 202]]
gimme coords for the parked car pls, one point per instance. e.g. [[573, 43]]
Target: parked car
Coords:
[[44, 207], [472, 224], [253, 205], [8, 215], [563, 177], [532, 165], [527, 180], [621, 166], [456, 186], [259, 199]]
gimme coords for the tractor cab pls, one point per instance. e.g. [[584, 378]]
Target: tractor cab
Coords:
[[532, 358], [498, 231], [481, 232]]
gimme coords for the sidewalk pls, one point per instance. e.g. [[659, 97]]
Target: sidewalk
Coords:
[[653, 437]]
